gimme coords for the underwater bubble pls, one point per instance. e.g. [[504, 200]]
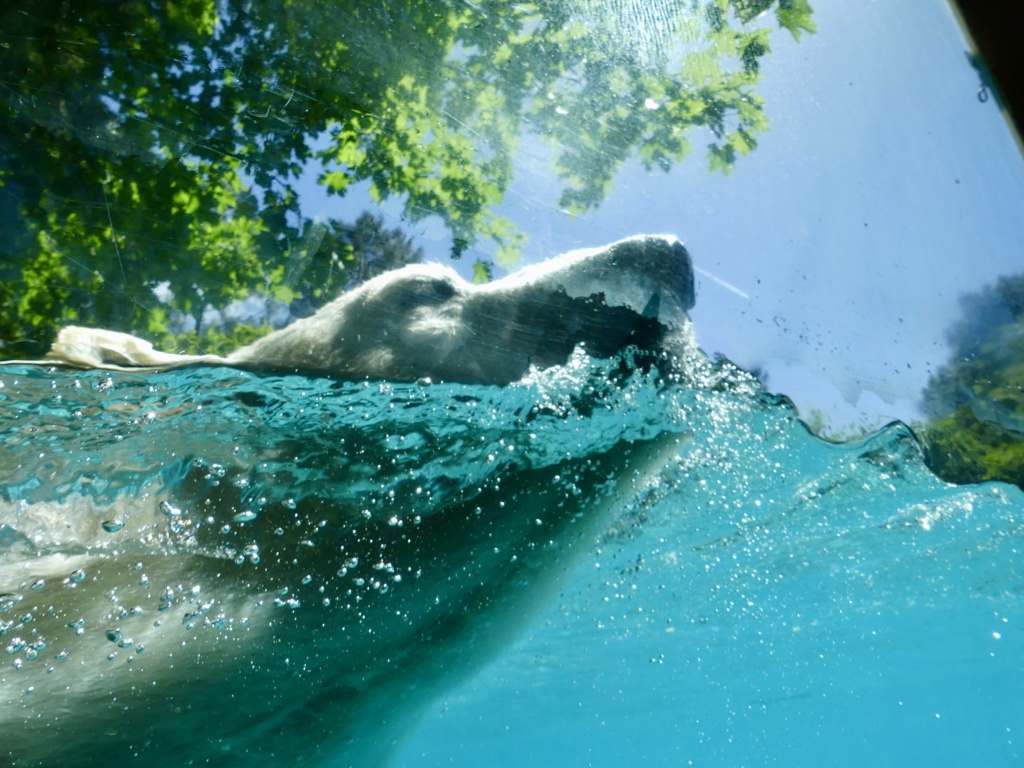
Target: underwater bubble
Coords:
[[112, 655], [31, 654], [125, 642], [38, 584], [307, 579], [169, 509], [60, 656], [78, 624], [77, 577], [143, 580], [136, 610], [17, 663], [289, 503], [140, 648], [112, 526], [113, 635], [245, 517], [8, 600]]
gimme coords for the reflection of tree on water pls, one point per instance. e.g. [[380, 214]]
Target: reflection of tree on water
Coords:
[[143, 143], [976, 403]]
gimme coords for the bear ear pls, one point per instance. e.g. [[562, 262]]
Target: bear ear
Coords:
[[412, 286]]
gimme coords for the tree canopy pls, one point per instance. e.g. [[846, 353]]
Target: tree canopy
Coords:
[[161, 142], [976, 402]]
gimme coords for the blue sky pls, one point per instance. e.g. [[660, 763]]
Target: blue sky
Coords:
[[834, 255]]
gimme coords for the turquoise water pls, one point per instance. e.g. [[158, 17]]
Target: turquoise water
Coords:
[[786, 602], [747, 595]]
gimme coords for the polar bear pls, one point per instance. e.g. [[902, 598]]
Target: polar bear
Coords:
[[425, 322], [180, 628]]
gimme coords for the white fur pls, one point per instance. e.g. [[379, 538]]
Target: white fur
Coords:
[[424, 321]]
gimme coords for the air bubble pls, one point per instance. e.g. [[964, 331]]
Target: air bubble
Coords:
[[113, 635], [38, 584], [245, 517], [8, 600], [112, 526], [77, 577], [169, 509]]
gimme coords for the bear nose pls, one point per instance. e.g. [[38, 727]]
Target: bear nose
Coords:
[[680, 282]]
